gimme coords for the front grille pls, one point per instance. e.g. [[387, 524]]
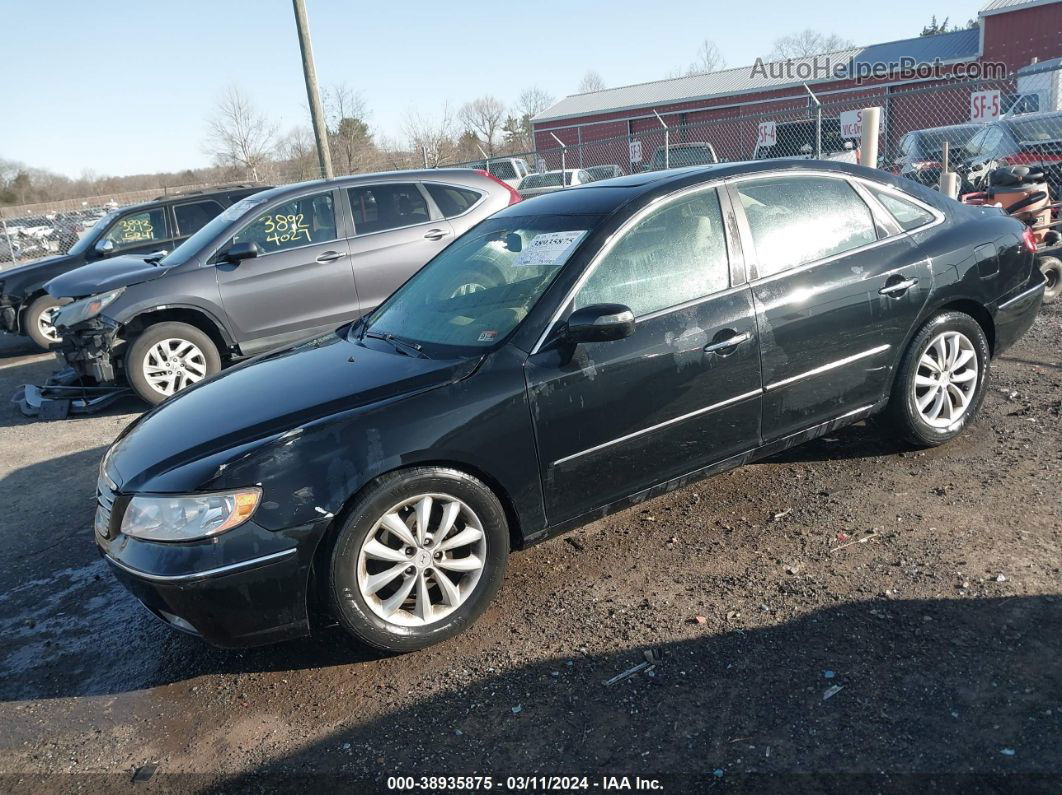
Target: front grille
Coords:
[[106, 501]]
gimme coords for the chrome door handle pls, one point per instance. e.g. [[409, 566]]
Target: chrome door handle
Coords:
[[899, 288], [729, 342], [330, 256], [436, 234]]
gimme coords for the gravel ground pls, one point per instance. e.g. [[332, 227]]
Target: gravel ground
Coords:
[[846, 608]]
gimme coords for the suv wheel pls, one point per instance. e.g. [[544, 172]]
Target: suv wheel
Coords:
[[168, 357], [941, 381], [37, 321], [418, 559]]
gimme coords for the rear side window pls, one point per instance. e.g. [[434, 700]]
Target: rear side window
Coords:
[[797, 220], [194, 216], [907, 214], [138, 229], [299, 222], [392, 205], [675, 254], [452, 200]]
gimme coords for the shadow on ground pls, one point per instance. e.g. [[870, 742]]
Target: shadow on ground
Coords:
[[945, 687]]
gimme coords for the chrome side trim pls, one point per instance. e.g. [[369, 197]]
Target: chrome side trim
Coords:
[[826, 367], [659, 425], [243, 564], [1023, 294]]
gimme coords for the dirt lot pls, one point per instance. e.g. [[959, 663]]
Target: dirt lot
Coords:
[[926, 585]]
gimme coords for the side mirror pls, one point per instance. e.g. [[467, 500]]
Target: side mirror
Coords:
[[600, 323], [238, 252], [105, 247]]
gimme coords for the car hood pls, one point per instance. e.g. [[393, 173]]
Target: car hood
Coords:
[[191, 438], [32, 267], [104, 275]]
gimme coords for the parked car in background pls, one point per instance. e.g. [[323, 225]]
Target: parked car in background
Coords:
[[158, 225], [272, 268], [509, 170], [598, 173], [920, 153], [537, 184], [681, 156], [796, 139], [642, 335], [1029, 139]]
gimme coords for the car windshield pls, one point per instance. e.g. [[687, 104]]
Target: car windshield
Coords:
[[476, 292], [1038, 130], [93, 233], [551, 179], [931, 142], [216, 226]]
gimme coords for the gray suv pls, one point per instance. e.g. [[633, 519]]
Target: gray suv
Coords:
[[277, 266]]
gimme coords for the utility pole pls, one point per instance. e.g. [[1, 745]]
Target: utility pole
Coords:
[[320, 131]]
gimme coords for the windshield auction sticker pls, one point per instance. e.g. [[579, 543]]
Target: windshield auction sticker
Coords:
[[549, 248]]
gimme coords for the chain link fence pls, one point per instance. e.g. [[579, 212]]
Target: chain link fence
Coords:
[[984, 123]]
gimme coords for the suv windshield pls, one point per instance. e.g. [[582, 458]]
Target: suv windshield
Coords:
[[1038, 130], [93, 233], [474, 293], [193, 245]]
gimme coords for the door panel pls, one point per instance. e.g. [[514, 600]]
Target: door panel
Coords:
[[613, 418], [301, 283], [382, 261], [830, 331], [397, 230]]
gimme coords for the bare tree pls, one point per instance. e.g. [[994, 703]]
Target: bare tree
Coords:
[[591, 81], [349, 135], [519, 133], [709, 59], [484, 117], [297, 151], [805, 44], [432, 138], [239, 135]]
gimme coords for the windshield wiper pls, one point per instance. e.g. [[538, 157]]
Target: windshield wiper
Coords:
[[400, 344]]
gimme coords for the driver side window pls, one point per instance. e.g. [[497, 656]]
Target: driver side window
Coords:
[[299, 222], [675, 254], [138, 229]]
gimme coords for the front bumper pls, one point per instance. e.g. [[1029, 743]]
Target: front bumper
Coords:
[[246, 588]]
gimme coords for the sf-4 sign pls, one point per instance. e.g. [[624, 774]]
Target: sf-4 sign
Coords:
[[767, 134], [984, 105]]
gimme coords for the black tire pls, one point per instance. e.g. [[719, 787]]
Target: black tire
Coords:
[[31, 320], [902, 412], [141, 345], [1051, 267], [348, 603]]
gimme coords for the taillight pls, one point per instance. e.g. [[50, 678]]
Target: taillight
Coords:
[[514, 197], [1029, 239]]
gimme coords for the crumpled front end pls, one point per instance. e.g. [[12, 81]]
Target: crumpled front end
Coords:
[[93, 350]]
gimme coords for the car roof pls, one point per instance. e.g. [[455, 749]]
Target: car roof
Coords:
[[205, 193], [603, 197], [418, 174]]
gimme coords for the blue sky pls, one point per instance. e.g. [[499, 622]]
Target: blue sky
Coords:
[[126, 87]]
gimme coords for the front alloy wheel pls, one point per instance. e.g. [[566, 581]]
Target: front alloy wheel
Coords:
[[168, 357], [417, 558], [422, 560], [173, 364]]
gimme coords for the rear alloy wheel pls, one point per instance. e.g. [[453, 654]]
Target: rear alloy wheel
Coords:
[[169, 357], [418, 559], [941, 381], [38, 322], [1051, 267]]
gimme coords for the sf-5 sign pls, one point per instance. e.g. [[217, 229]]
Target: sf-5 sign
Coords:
[[984, 105]]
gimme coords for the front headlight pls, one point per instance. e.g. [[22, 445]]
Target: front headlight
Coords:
[[85, 309], [188, 517]]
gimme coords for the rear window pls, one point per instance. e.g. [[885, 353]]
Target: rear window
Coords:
[[452, 200], [907, 214]]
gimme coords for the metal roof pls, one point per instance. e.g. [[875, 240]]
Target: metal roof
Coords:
[[955, 46], [1002, 6]]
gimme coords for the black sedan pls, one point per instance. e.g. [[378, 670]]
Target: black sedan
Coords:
[[637, 334]]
